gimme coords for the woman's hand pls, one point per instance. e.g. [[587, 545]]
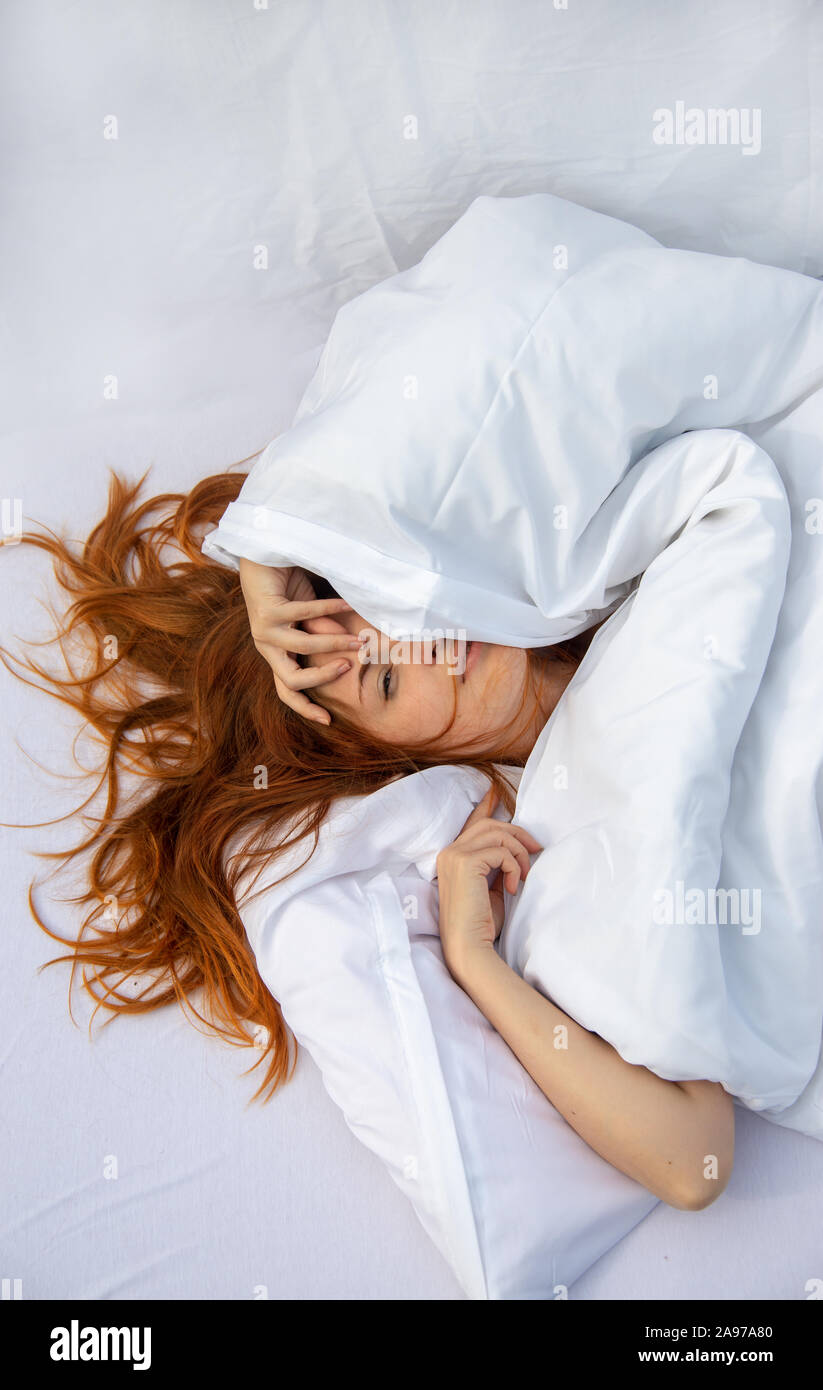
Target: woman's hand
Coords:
[[276, 599], [471, 901]]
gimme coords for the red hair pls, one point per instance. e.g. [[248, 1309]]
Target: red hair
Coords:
[[178, 695]]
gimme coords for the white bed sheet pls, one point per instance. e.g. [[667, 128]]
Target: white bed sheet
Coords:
[[283, 127]]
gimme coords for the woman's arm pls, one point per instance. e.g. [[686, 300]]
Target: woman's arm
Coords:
[[674, 1137]]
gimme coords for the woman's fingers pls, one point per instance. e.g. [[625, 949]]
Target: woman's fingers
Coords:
[[290, 679], [482, 810], [321, 634], [479, 825], [306, 677], [288, 639], [299, 610], [500, 857], [277, 598], [493, 827], [301, 704], [295, 677], [519, 852], [266, 584], [482, 832], [502, 837]]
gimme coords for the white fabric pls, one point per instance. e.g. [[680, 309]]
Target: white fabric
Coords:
[[284, 128], [537, 380], [669, 792], [544, 397], [515, 1200]]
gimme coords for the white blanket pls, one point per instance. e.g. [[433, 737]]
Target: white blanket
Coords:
[[504, 440], [662, 914]]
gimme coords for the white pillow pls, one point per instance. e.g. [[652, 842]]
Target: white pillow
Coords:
[[453, 458], [514, 1199]]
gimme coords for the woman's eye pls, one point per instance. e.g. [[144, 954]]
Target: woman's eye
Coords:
[[386, 682]]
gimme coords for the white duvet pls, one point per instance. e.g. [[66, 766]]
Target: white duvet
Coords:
[[549, 420]]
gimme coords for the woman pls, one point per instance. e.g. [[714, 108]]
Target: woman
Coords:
[[180, 697]]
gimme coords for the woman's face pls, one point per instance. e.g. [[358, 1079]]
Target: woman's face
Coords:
[[403, 691]]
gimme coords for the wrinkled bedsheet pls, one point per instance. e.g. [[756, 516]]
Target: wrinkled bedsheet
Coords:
[[550, 420]]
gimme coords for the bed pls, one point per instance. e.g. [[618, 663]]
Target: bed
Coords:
[[190, 204]]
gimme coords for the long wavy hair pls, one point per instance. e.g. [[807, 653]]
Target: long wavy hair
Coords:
[[160, 664]]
